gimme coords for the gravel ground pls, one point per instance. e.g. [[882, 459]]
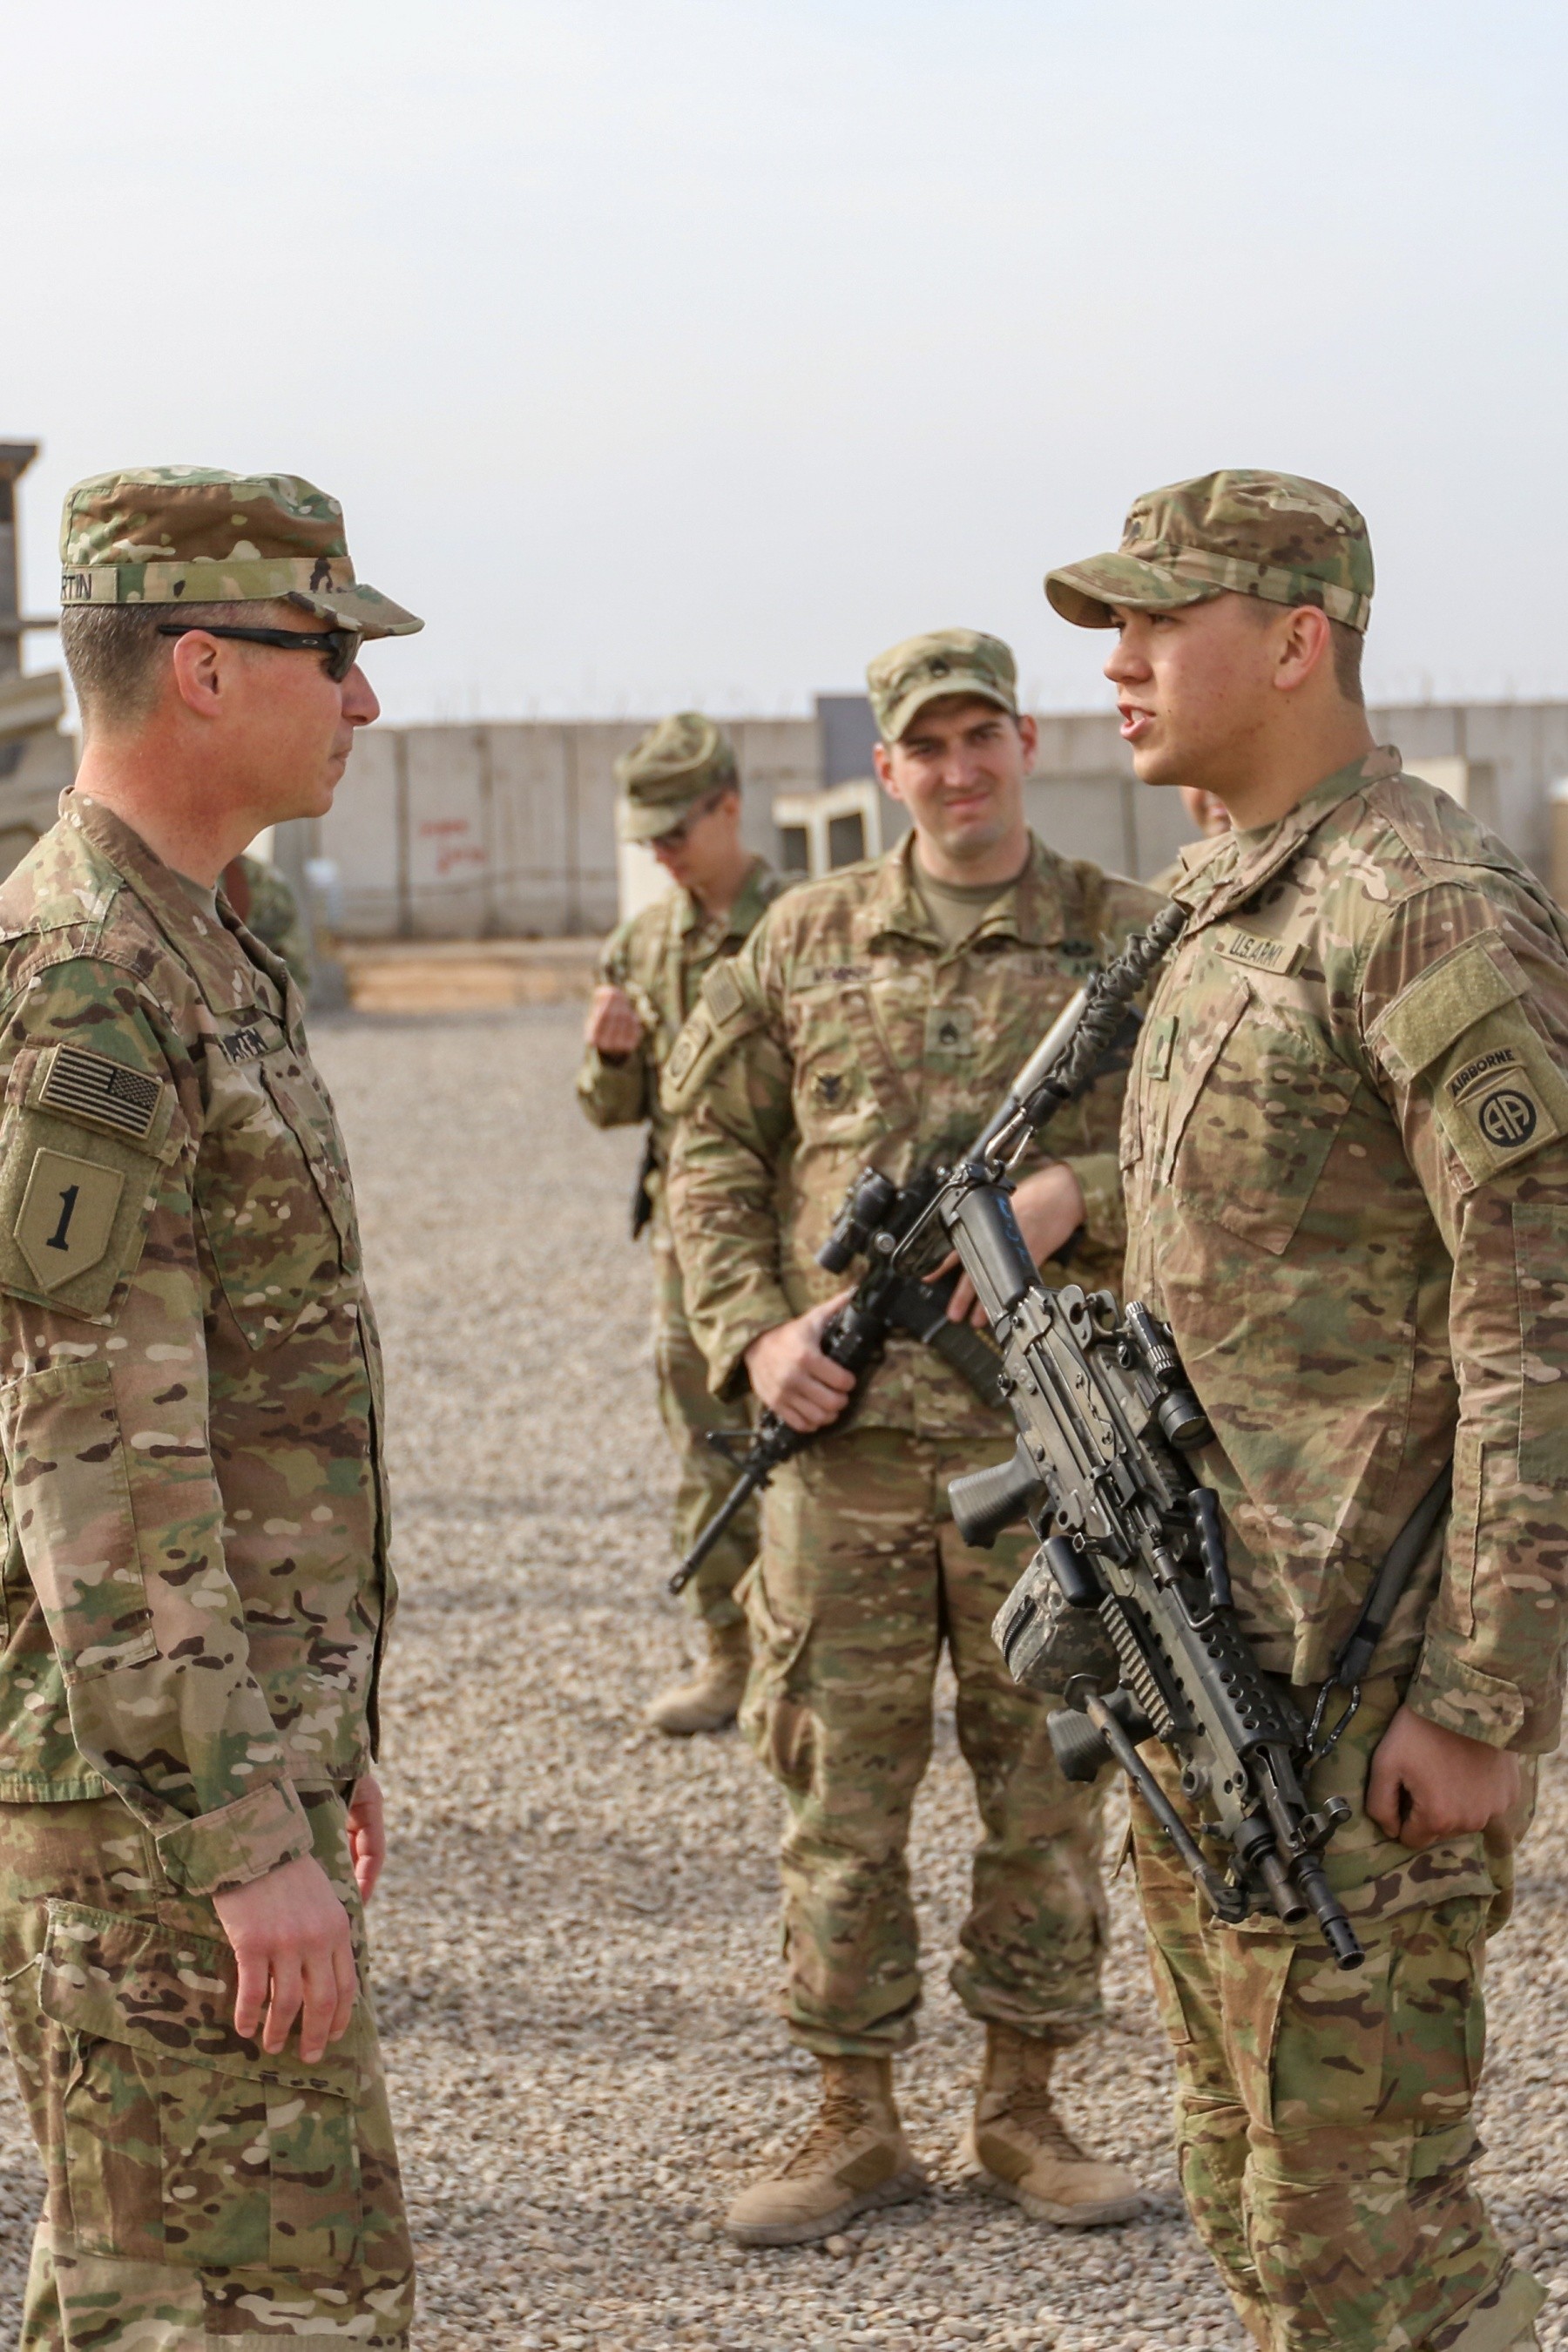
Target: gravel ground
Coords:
[[575, 1941]]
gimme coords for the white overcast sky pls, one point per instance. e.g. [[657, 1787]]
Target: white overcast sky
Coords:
[[695, 352]]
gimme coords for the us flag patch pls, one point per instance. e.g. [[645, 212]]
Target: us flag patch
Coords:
[[90, 1086]]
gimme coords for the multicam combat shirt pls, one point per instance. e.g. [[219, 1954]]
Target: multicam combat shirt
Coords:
[[659, 958], [195, 1580], [849, 1034], [1346, 1159]]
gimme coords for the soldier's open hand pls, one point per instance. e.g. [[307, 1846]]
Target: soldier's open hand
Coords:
[[1427, 1784], [789, 1372], [291, 1937]]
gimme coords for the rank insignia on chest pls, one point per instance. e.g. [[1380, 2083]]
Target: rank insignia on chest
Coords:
[[1261, 954], [91, 1088], [950, 1031]]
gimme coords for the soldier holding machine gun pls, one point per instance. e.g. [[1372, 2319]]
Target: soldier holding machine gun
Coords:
[[1346, 1155], [876, 1016]]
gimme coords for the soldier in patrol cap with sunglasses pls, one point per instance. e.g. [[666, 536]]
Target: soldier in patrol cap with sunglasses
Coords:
[[195, 1574], [681, 795]]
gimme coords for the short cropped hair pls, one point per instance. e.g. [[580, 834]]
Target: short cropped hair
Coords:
[[116, 657], [1349, 645]]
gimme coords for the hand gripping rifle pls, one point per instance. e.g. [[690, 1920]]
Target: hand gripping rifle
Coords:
[[879, 1221], [1131, 1566]]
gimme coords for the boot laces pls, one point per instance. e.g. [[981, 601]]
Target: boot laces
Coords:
[[842, 2115], [1030, 2107]]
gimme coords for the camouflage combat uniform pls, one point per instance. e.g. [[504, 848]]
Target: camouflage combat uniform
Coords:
[[271, 911], [196, 1594], [195, 1581], [848, 1031], [1345, 1151], [1346, 1159], [659, 960]]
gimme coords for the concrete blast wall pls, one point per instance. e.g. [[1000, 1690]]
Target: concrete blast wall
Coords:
[[457, 832]]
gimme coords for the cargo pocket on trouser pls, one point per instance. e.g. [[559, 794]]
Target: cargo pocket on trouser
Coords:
[[180, 2143], [776, 1721], [1362, 2217]]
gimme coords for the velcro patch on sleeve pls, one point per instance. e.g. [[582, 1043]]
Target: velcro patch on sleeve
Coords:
[[74, 1206], [94, 1091], [1446, 1001], [722, 994]]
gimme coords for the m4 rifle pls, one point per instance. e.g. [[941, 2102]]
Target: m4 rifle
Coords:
[[879, 1221]]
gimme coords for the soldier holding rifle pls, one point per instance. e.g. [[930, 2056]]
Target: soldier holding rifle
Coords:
[[681, 797], [877, 1016], [1346, 1156]]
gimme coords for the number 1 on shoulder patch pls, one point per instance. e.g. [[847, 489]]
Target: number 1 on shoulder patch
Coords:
[[67, 1215]]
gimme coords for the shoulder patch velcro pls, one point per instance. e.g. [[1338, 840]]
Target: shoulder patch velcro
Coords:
[[1446, 998], [79, 1084], [722, 993]]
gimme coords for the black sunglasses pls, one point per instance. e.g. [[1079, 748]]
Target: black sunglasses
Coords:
[[341, 646]]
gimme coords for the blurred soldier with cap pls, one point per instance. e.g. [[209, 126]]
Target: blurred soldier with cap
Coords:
[[1346, 1147], [682, 796], [879, 1014], [195, 1568]]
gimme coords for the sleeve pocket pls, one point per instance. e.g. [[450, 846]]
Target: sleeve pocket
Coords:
[[184, 2145], [1540, 1264], [71, 1504]]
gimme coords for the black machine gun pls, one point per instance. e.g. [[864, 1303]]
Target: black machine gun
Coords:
[[877, 1221], [1130, 1590]]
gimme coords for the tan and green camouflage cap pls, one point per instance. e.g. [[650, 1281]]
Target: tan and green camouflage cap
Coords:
[[1276, 536], [191, 535], [678, 762], [945, 661]]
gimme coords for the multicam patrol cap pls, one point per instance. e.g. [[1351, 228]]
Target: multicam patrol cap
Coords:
[[191, 535], [678, 762], [902, 681], [1275, 536]]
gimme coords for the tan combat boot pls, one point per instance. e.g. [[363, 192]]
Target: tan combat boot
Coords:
[[854, 2157], [711, 1699], [1018, 2141]]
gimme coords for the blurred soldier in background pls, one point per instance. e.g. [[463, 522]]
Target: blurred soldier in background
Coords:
[[682, 796], [196, 1578], [260, 895], [879, 1014]]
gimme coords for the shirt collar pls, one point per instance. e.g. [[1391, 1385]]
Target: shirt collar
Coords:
[[745, 915], [1029, 910], [1235, 868], [227, 979]]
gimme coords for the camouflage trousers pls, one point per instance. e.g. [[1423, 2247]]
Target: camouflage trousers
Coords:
[[1323, 2119], [862, 1578], [200, 2192], [689, 1412]]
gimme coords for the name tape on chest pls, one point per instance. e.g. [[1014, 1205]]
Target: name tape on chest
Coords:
[[1259, 954], [90, 1087], [247, 1045]]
